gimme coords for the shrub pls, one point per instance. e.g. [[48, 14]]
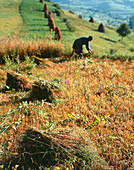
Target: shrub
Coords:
[[80, 16], [57, 5], [72, 12], [59, 12], [64, 19], [132, 49], [70, 26], [123, 30]]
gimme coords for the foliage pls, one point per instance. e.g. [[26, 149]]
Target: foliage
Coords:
[[70, 11], [59, 12], [70, 26], [123, 30], [131, 22], [80, 16]]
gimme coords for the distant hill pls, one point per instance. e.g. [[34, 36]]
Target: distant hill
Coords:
[[111, 12]]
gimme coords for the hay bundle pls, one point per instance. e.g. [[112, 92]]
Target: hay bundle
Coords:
[[39, 150], [58, 35], [42, 90], [45, 7], [16, 82], [50, 14], [101, 28], [92, 20], [51, 23], [38, 61], [42, 1], [46, 11]]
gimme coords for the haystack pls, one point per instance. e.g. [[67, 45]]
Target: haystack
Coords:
[[38, 61], [46, 11], [41, 150], [92, 20], [41, 90], [45, 7], [50, 14], [42, 1], [51, 24], [18, 82], [58, 35], [101, 28], [46, 14]]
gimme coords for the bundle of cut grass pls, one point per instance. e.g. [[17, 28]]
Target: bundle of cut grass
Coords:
[[17, 82], [92, 20], [39, 150], [42, 89]]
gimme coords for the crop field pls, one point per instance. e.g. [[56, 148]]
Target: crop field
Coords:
[[9, 14], [62, 112]]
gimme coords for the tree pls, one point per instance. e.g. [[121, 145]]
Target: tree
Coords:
[[131, 22], [123, 30]]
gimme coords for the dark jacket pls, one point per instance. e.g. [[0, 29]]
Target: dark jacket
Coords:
[[79, 43]]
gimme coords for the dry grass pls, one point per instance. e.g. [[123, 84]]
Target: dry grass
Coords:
[[96, 97], [43, 48]]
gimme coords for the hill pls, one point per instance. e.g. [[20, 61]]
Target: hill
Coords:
[[104, 44], [110, 12]]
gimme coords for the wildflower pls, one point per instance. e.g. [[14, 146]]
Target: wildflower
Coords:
[[56, 168], [1, 166], [67, 81], [81, 67]]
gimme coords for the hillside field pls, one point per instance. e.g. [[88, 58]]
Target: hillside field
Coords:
[[110, 12], [63, 112]]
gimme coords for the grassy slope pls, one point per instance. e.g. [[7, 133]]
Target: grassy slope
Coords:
[[10, 18], [36, 25], [109, 12]]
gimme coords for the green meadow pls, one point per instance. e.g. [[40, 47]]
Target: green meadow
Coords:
[[10, 18]]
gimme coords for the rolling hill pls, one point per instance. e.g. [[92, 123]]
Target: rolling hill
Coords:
[[35, 26], [111, 12]]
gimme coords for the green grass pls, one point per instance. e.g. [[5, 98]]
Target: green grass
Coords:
[[35, 26], [10, 18], [34, 22]]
